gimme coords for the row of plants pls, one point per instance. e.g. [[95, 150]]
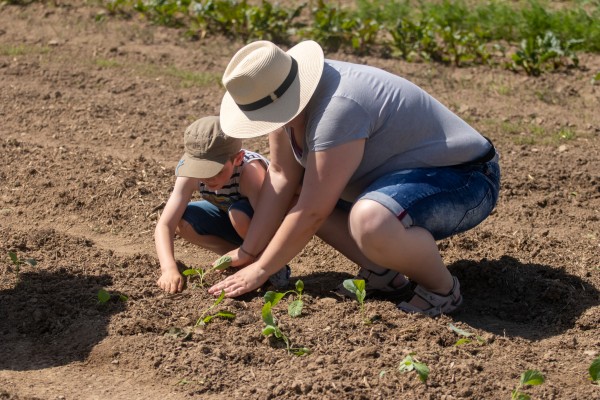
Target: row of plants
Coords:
[[272, 329], [530, 37]]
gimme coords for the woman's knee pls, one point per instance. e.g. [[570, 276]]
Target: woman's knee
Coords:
[[368, 220]]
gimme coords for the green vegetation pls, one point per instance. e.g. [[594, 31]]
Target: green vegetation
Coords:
[[18, 262], [220, 264], [461, 32], [295, 307], [466, 336], [594, 371], [205, 317], [530, 377], [410, 363], [272, 329], [104, 296]]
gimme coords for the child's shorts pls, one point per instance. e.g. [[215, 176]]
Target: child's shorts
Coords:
[[445, 200], [208, 219]]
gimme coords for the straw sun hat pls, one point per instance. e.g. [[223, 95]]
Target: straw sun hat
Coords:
[[267, 87]]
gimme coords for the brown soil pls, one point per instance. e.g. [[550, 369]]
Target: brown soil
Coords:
[[93, 114]]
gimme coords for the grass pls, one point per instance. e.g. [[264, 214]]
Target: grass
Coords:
[[19, 50]]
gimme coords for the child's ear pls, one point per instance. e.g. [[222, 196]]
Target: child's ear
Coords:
[[237, 159]]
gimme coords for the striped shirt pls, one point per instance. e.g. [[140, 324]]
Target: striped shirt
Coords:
[[230, 192]]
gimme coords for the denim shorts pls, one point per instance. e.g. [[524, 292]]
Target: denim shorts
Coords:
[[443, 200], [208, 219]]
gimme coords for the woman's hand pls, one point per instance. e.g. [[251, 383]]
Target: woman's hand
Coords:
[[239, 258], [243, 281]]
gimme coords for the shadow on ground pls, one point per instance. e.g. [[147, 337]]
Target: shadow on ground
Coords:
[[52, 318], [532, 301]]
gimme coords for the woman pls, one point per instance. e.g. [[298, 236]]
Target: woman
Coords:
[[385, 170]]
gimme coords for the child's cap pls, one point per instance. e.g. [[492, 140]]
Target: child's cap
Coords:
[[207, 149]]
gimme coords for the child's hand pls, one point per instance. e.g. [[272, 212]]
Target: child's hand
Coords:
[[171, 282]]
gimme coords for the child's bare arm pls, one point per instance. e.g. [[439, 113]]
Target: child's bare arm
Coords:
[[171, 280], [251, 181]]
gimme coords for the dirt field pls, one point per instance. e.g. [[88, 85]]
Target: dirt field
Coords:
[[92, 119]]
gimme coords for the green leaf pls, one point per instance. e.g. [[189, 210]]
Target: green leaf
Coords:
[[103, 296], [123, 298], [360, 284], [268, 330], [267, 315], [225, 314], [273, 297], [595, 370], [300, 351], [13, 257], [295, 308], [532, 377], [461, 332], [31, 262], [520, 396], [220, 298], [350, 285], [462, 341], [299, 286], [190, 271], [422, 371], [222, 263]]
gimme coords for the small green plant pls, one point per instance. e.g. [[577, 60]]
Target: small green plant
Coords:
[[357, 287], [18, 262], [466, 336], [410, 363], [272, 328], [594, 370], [205, 317], [220, 264], [104, 296], [295, 307], [531, 377], [547, 52]]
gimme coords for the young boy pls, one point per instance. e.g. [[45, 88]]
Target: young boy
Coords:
[[229, 179]]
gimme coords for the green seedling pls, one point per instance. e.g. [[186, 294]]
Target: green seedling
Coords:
[[594, 370], [104, 297], [531, 377], [205, 317], [18, 262], [295, 307], [272, 328], [357, 287], [466, 336], [220, 264], [412, 364]]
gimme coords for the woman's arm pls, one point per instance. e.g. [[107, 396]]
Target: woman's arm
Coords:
[[171, 280], [327, 174]]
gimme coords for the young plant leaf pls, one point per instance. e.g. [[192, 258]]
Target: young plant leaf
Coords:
[[13, 257], [190, 271], [299, 287], [103, 296], [594, 370], [409, 364], [267, 315], [461, 332], [222, 263], [295, 308], [273, 297], [31, 262], [532, 377]]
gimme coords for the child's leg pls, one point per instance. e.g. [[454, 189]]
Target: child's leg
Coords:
[[205, 225], [240, 215]]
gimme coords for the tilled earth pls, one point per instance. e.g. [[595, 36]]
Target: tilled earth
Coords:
[[92, 115]]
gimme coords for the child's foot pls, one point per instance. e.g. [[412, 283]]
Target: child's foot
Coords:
[[281, 278]]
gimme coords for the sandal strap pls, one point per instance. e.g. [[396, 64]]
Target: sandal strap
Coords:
[[440, 304], [377, 281]]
